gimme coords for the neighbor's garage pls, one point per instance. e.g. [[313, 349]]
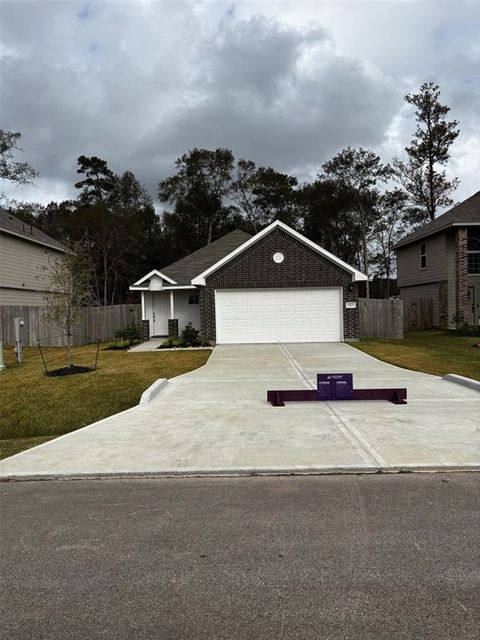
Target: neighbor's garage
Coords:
[[278, 315]]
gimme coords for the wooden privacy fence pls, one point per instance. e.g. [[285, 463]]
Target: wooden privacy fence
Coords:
[[96, 323], [381, 318], [418, 314]]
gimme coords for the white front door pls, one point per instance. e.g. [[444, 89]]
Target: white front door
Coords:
[[160, 314], [278, 315]]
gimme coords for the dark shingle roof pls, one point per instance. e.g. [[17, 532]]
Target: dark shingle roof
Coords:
[[466, 212], [192, 265], [10, 224]]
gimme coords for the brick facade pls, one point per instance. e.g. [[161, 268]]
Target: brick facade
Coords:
[[303, 267], [173, 328], [461, 280], [145, 330]]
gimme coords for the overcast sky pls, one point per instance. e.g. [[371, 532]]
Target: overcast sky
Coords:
[[287, 84]]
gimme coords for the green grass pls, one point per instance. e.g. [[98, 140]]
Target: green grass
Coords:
[[34, 407], [436, 352]]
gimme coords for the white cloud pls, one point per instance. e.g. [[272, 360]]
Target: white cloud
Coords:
[[283, 83]]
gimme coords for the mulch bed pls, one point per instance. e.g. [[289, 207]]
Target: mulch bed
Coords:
[[68, 371]]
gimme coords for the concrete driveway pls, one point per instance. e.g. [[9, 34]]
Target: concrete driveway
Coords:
[[216, 420]]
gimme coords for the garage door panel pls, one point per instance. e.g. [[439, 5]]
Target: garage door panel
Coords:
[[278, 315]]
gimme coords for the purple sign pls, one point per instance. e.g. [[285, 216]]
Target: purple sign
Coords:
[[335, 386]]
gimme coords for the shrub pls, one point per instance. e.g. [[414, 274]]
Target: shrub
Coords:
[[170, 343], [190, 335], [131, 334]]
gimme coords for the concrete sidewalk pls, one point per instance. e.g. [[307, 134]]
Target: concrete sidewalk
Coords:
[[215, 420]]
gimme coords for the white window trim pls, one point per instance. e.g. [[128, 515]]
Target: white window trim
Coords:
[[424, 254], [356, 275]]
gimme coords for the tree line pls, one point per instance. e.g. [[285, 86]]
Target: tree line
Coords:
[[357, 207]]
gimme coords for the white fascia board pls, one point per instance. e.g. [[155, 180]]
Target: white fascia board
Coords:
[[173, 288], [465, 224], [179, 286], [154, 272], [356, 275]]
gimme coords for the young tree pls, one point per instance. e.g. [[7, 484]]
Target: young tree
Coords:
[[202, 181], [422, 175], [10, 169], [69, 290], [361, 171]]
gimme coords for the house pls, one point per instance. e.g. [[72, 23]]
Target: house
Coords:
[[275, 286], [441, 261], [24, 253]]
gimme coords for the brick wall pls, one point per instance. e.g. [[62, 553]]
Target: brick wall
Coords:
[[302, 267], [461, 280]]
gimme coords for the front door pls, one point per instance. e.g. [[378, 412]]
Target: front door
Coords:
[[160, 311]]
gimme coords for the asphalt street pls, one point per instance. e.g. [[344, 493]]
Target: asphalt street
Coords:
[[323, 557]]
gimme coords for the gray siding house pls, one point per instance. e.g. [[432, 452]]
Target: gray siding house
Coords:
[[25, 251], [441, 261]]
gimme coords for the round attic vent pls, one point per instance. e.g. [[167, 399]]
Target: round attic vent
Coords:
[[278, 257]]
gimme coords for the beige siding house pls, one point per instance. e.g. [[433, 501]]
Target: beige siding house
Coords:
[[441, 261], [25, 251]]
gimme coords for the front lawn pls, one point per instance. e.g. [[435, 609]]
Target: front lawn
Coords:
[[35, 408], [436, 352]]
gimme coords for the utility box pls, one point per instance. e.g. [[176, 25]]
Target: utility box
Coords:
[[19, 324]]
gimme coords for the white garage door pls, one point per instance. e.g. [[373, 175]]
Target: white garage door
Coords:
[[278, 315]]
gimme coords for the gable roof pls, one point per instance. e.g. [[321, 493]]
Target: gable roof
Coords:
[[465, 213], [184, 270], [15, 227], [200, 279]]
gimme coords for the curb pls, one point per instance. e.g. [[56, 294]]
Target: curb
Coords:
[[246, 472], [466, 382], [153, 390]]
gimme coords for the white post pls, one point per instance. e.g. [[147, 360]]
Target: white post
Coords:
[[143, 305], [172, 306], [2, 362]]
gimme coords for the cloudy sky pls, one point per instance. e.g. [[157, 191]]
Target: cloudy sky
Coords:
[[287, 84]]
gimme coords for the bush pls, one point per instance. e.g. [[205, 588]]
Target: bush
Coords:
[[119, 345], [463, 328], [171, 343], [190, 335], [131, 334]]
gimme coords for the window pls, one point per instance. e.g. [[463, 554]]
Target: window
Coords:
[[473, 252], [423, 255], [193, 298]]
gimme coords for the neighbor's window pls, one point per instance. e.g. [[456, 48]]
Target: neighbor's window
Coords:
[[423, 255], [193, 298], [473, 252]]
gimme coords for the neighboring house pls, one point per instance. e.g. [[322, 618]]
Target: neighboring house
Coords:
[[441, 261], [24, 253], [275, 286]]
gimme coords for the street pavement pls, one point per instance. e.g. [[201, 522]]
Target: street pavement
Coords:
[[356, 557]]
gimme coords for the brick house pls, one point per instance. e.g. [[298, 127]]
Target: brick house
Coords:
[[441, 261], [275, 286]]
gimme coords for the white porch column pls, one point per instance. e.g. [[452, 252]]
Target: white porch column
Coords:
[[172, 306], [143, 305]]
